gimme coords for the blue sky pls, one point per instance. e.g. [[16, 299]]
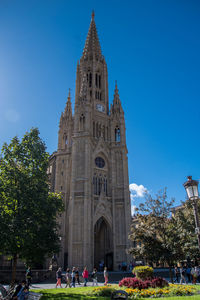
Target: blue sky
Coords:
[[152, 50]]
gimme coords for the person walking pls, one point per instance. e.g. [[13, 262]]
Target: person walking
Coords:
[[194, 273], [68, 278], [182, 274], [94, 277], [77, 276], [105, 273], [188, 273], [73, 275], [28, 276], [85, 275], [177, 273], [59, 277]]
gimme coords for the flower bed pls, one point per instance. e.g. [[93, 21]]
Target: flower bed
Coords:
[[143, 284], [171, 290], [103, 291], [135, 293]]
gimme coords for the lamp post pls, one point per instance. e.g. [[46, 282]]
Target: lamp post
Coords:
[[191, 187]]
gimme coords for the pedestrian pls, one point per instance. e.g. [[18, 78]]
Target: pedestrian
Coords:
[[105, 273], [68, 278], [59, 277], [23, 293], [77, 276], [94, 277], [188, 273], [28, 276], [177, 274], [182, 274], [194, 273], [85, 275], [73, 275]]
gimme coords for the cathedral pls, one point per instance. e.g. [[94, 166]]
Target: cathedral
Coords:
[[90, 168]]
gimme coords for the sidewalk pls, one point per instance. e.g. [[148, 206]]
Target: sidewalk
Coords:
[[45, 286]]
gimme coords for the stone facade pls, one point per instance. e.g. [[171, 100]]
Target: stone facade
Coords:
[[90, 168]]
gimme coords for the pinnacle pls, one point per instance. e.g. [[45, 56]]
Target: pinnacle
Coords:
[[116, 88], [69, 96], [68, 108], [93, 14], [116, 94], [92, 45]]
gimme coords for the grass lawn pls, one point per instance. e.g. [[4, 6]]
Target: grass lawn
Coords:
[[81, 293], [78, 293]]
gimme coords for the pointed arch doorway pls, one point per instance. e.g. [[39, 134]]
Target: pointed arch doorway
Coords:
[[103, 246]]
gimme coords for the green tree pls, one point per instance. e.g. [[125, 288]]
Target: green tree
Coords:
[[28, 211], [184, 219], [155, 231]]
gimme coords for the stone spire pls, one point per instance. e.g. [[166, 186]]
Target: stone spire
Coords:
[[116, 100], [116, 107], [92, 45], [68, 107]]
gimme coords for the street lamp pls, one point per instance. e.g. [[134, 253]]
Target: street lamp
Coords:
[[191, 187]]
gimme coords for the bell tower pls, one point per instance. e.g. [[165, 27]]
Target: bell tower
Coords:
[[90, 168]]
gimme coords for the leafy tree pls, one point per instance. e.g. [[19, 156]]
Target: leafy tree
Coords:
[[184, 219], [28, 212], [156, 231]]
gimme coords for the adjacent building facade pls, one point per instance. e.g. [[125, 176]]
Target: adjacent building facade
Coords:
[[90, 168]]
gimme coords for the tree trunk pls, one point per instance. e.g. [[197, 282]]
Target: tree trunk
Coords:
[[14, 269]]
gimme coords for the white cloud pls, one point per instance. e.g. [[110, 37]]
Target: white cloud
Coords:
[[12, 115], [137, 191]]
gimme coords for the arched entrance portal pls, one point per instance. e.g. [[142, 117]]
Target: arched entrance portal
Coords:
[[103, 249]]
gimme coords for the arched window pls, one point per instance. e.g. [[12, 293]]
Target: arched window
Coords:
[[97, 130], [117, 134], [99, 81], [96, 80], [93, 129], [99, 182], [90, 79], [104, 132], [99, 186], [82, 122], [105, 185], [95, 185]]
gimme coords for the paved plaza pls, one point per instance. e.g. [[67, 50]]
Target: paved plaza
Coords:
[[53, 285]]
